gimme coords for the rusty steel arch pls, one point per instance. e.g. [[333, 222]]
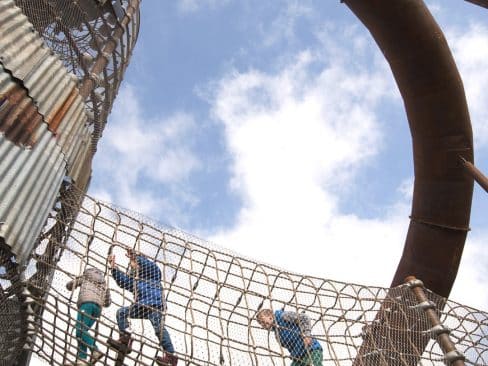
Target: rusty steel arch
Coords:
[[433, 94], [435, 103]]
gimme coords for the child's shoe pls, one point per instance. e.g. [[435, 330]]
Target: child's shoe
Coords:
[[96, 356], [169, 359], [123, 344]]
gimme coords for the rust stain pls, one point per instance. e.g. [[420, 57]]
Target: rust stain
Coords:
[[19, 117], [58, 115]]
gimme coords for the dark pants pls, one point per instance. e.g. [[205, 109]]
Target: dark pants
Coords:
[[154, 315], [88, 313]]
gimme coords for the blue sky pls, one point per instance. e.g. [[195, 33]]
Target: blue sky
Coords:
[[275, 129]]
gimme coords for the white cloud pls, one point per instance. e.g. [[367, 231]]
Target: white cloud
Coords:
[[469, 46], [470, 286], [283, 27], [470, 50], [296, 138], [435, 8], [406, 189], [190, 6], [139, 153]]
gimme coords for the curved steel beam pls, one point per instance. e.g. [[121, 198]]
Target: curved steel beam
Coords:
[[433, 93]]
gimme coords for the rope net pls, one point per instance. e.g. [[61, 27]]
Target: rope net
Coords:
[[104, 275]]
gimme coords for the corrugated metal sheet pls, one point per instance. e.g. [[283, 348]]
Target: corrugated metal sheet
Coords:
[[25, 56], [43, 122], [29, 181], [44, 76], [58, 140], [19, 116], [67, 27], [75, 138]]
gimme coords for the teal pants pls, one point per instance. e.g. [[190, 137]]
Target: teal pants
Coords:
[[314, 358], [88, 313]]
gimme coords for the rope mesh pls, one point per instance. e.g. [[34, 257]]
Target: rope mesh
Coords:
[[12, 322], [211, 297], [176, 290]]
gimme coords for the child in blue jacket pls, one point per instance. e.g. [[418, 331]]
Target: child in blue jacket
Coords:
[[144, 281], [293, 331]]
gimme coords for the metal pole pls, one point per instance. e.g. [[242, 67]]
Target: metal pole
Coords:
[[452, 356], [102, 59], [478, 176]]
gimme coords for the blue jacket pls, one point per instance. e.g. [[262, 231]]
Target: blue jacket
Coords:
[[146, 285], [290, 336]]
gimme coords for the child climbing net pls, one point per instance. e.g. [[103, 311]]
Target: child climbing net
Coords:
[[213, 306], [144, 281]]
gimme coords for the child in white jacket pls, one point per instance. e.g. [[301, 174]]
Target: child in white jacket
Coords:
[[94, 294]]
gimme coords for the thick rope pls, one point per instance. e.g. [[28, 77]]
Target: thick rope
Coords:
[[212, 297]]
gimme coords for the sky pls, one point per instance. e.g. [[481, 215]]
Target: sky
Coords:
[[276, 130]]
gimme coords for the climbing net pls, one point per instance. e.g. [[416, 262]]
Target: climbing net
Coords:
[[212, 296]]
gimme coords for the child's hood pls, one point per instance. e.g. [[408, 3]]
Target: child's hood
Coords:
[[94, 275]]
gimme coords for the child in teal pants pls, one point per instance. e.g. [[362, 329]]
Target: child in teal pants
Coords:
[[88, 313], [94, 294]]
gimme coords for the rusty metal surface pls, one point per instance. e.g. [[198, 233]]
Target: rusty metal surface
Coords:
[[45, 136], [51, 89], [31, 178], [48, 130], [435, 103], [19, 116], [478, 176], [452, 356], [433, 93], [75, 141], [25, 56], [78, 32], [42, 109]]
